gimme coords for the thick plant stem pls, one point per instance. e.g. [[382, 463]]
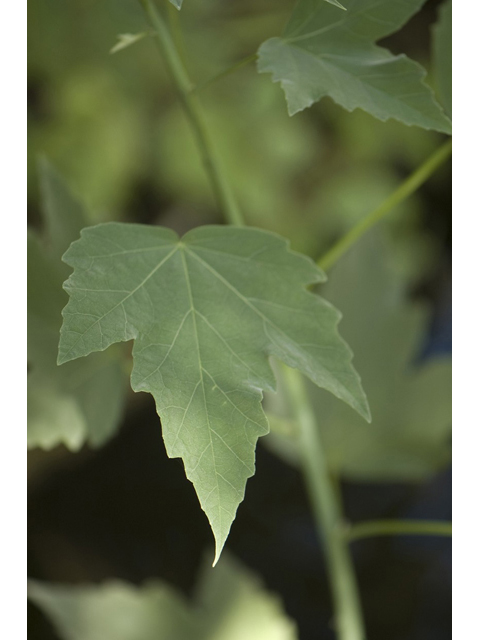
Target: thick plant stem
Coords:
[[411, 184], [193, 112], [398, 527], [328, 514]]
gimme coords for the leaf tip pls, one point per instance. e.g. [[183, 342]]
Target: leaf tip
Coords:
[[366, 413], [218, 552], [362, 407], [64, 356], [126, 40], [60, 359]]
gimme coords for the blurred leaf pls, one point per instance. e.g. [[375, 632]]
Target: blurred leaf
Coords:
[[205, 312], [64, 216], [126, 40], [348, 195], [410, 402], [230, 605], [84, 401], [327, 53], [442, 55], [103, 124], [336, 4]]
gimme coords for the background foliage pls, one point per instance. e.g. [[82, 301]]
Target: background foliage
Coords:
[[111, 125]]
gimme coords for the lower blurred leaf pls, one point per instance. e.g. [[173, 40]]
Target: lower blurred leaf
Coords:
[[230, 604]]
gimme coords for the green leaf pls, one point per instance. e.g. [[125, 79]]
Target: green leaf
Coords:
[[442, 55], [409, 437], [82, 402], [126, 40], [326, 53], [177, 4], [206, 312], [230, 604]]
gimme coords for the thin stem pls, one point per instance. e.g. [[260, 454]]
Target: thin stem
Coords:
[[328, 516], [398, 527], [225, 72], [193, 112], [411, 184], [175, 27]]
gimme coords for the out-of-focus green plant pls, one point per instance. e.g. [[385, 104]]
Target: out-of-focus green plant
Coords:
[[82, 402], [209, 308]]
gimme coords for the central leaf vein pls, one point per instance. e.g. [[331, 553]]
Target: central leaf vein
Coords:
[[201, 381]]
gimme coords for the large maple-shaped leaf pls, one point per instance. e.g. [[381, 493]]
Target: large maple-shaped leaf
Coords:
[[206, 311], [326, 52], [411, 401], [229, 604]]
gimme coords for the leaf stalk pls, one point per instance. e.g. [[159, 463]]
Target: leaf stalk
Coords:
[[409, 186], [192, 108]]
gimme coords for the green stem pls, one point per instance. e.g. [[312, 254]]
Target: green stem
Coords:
[[226, 72], [411, 184], [328, 516], [193, 112], [398, 527], [175, 27]]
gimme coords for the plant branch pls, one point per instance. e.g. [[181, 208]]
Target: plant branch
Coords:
[[398, 527], [191, 106], [409, 186], [328, 515]]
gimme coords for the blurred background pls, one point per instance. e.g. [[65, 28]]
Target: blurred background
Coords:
[[112, 127]]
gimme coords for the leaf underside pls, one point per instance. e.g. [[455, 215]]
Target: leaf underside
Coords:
[[324, 52], [206, 312]]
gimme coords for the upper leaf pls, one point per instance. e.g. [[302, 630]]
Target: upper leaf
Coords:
[[442, 55], [83, 401], [230, 604], [206, 311], [324, 52]]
